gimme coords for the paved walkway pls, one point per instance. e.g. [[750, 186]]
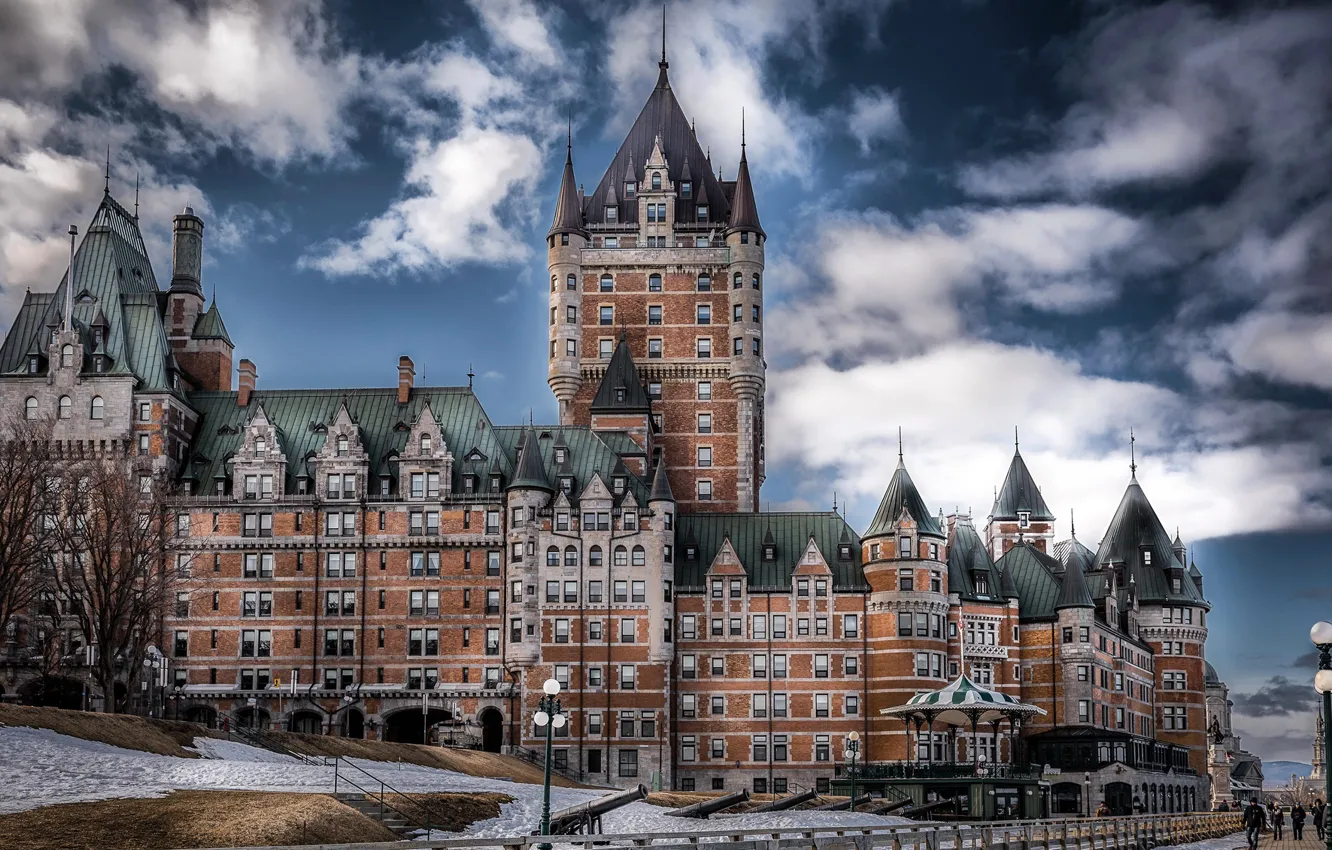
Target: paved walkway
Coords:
[[1288, 842]]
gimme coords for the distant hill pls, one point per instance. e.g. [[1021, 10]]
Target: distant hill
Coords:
[[1278, 773]]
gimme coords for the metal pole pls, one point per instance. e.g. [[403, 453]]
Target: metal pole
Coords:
[[550, 707], [1325, 663], [854, 752]]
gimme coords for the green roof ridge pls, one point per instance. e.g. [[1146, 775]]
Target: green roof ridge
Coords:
[[210, 326]]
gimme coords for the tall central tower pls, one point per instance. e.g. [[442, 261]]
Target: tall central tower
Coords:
[[668, 257]]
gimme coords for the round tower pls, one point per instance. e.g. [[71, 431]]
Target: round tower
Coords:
[[565, 243], [748, 372]]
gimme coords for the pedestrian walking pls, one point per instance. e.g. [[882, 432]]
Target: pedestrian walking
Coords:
[[1103, 811], [1278, 822], [1254, 821], [1319, 815], [1297, 816]]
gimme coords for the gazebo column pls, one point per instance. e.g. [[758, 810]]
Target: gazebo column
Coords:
[[995, 725], [916, 758], [929, 751], [975, 753]]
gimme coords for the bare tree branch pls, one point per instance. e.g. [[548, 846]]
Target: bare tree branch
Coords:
[[26, 489]]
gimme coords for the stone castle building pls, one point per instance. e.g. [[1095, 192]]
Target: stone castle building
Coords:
[[370, 562]]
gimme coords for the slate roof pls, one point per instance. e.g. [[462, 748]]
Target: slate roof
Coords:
[[744, 209], [1020, 493], [1071, 551], [531, 472], [967, 555], [621, 374], [568, 210], [902, 493], [1209, 674], [114, 281], [661, 485], [586, 454], [1074, 592], [1036, 576], [661, 117], [791, 533], [209, 325], [1134, 529]]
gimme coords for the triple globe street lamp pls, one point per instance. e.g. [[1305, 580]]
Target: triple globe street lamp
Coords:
[[1321, 635], [549, 714]]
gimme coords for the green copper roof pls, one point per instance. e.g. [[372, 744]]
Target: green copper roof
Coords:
[[621, 390], [902, 493], [1074, 592], [1135, 535], [661, 485], [531, 472], [210, 326], [967, 556], [1020, 493], [791, 533], [585, 455], [1071, 552], [1036, 577]]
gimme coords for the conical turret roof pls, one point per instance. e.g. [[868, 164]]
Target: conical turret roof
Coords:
[[530, 473], [210, 326], [1074, 593], [661, 485], [902, 494], [621, 390], [568, 209], [1019, 493], [1137, 539], [744, 209], [1007, 588]]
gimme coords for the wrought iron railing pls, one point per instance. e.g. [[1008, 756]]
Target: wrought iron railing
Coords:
[[925, 770]]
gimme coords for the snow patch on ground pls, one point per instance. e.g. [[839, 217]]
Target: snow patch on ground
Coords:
[[43, 768]]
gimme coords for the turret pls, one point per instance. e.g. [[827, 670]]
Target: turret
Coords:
[[744, 279], [198, 338], [1020, 511], [566, 240]]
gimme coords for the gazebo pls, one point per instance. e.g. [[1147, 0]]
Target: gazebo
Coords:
[[992, 789], [961, 703]]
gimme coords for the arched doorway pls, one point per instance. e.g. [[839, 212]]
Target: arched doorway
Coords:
[[492, 730], [1119, 798], [407, 726], [306, 722], [52, 692], [353, 723], [252, 718], [204, 714], [1066, 798]]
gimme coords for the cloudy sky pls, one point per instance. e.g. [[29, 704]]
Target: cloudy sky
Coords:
[[1073, 217]]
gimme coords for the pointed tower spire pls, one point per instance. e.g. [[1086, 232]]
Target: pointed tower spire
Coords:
[[136, 206], [1016, 449], [1074, 593], [106, 184], [1133, 457], [899, 446], [530, 473], [661, 485], [568, 209], [744, 209], [69, 281], [1072, 525], [662, 81]]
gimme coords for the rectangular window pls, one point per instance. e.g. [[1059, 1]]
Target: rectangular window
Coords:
[[705, 423], [654, 349], [704, 348]]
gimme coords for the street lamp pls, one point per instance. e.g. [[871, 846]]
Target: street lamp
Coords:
[[1321, 635], [852, 751], [549, 714], [1086, 789]]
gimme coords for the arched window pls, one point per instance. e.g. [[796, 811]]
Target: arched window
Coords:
[[67, 356], [607, 283], [571, 283], [640, 556], [654, 283], [656, 181], [426, 444], [66, 406], [756, 280], [570, 556], [552, 283], [343, 445], [704, 282], [594, 556], [260, 447], [552, 557], [621, 556], [98, 407], [738, 281], [30, 408]]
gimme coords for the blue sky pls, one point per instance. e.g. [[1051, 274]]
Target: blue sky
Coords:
[[1073, 217]]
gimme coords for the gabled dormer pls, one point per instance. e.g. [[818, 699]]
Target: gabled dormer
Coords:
[[342, 462], [259, 465], [425, 464], [656, 200], [629, 513], [726, 562], [596, 494]]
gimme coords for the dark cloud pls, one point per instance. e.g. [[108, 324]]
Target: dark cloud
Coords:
[[1307, 661], [1280, 697]]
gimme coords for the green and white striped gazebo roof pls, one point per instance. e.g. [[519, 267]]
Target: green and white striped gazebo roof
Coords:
[[961, 703]]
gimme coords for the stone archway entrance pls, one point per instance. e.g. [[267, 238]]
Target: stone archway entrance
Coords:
[[53, 692], [252, 718], [1119, 798], [492, 730], [205, 714], [353, 723], [306, 722], [408, 726], [1066, 798]]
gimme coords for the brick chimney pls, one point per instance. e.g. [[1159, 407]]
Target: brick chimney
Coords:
[[247, 375], [406, 377]]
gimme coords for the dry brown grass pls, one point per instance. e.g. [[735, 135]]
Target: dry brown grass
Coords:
[[470, 762], [451, 812], [164, 737], [190, 819]]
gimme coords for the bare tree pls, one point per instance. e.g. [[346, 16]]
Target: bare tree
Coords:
[[27, 481], [116, 563]]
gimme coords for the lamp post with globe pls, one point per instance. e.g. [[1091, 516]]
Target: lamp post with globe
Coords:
[[852, 753], [1321, 635], [550, 715]]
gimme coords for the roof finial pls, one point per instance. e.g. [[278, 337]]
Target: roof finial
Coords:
[[834, 501], [899, 443], [664, 64], [1016, 450], [1072, 526], [136, 204], [470, 376], [742, 132], [568, 144], [106, 185], [69, 281], [1133, 457]]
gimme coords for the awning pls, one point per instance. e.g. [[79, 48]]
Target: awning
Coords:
[[963, 703]]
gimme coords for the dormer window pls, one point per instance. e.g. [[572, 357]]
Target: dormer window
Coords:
[[703, 213], [1024, 519], [619, 394], [1147, 558], [617, 484], [904, 547], [612, 214], [630, 188], [559, 455], [686, 189], [66, 356], [495, 482], [97, 336], [33, 365], [99, 364], [260, 447], [426, 446], [844, 552], [469, 483], [656, 181], [566, 485], [982, 583], [769, 552], [343, 446], [691, 553]]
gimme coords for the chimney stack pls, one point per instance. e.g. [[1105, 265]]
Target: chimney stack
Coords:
[[247, 375], [187, 253], [406, 378]]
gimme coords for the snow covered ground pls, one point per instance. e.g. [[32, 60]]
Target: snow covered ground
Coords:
[[43, 768], [1228, 842]]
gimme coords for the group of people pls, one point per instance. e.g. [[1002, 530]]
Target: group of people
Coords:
[[1256, 819]]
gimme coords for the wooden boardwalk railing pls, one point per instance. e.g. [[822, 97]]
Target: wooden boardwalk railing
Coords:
[[1135, 832]]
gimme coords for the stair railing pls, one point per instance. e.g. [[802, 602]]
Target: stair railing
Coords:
[[340, 776]]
